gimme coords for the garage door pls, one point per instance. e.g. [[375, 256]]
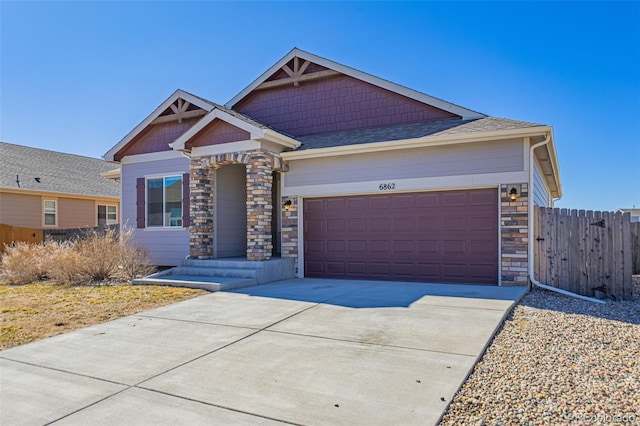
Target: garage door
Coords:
[[444, 236]]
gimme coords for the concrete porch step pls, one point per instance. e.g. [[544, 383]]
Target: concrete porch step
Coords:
[[209, 283], [222, 274], [201, 271]]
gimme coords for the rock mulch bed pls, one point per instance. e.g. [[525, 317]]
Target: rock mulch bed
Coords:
[[557, 360]]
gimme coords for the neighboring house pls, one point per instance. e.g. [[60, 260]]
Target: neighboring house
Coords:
[[42, 189], [634, 213], [351, 175]]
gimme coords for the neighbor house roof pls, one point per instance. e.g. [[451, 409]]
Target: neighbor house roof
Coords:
[[39, 170], [412, 131]]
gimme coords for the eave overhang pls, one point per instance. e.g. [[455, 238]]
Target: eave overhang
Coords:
[[435, 140]]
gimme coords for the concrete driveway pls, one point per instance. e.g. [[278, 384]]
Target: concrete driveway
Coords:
[[302, 351]]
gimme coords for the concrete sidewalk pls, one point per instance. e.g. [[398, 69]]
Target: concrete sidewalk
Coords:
[[302, 351]]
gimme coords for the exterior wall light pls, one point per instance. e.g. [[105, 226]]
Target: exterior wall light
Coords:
[[287, 205], [513, 194]]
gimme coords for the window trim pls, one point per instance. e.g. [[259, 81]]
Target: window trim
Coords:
[[45, 213], [164, 178]]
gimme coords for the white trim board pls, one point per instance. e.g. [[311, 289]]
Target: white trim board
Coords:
[[408, 185]]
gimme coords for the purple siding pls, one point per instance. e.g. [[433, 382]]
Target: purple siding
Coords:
[[155, 138], [334, 104], [218, 132]]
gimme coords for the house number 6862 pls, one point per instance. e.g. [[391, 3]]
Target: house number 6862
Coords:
[[387, 186]]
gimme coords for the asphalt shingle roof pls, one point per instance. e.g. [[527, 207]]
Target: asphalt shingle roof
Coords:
[[57, 171], [411, 131]]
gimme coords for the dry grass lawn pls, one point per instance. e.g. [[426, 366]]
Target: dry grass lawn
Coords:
[[35, 311]]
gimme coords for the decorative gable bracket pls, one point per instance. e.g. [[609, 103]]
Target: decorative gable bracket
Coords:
[[179, 111], [296, 75]]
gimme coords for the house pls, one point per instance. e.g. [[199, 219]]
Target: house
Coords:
[[634, 213], [43, 189], [349, 174]]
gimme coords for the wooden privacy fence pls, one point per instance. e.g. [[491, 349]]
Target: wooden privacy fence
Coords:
[[10, 234], [581, 251], [635, 246]]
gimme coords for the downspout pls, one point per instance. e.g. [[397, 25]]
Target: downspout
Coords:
[[531, 230]]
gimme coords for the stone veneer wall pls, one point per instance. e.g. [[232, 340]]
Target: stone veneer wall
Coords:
[[514, 233], [259, 206], [200, 210], [259, 167], [290, 229]]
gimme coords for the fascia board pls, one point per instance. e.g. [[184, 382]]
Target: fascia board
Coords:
[[413, 143], [281, 139], [376, 81], [109, 156], [554, 163], [265, 75], [57, 194], [180, 143]]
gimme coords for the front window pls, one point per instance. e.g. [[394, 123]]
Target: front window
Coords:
[[107, 215], [50, 213], [164, 201]]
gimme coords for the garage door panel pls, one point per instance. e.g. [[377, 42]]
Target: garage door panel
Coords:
[[379, 203], [379, 224], [429, 271], [403, 201], [380, 246], [403, 224], [358, 246], [336, 247], [315, 246], [314, 267], [426, 247], [314, 225], [335, 204], [379, 269], [454, 199], [453, 270], [356, 203], [441, 236], [357, 268], [402, 270], [404, 246], [358, 224], [336, 267], [454, 223]]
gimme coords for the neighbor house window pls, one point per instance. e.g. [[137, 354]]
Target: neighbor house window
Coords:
[[50, 213], [164, 201], [107, 215]]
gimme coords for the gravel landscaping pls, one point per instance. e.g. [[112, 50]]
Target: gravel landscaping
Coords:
[[557, 360]]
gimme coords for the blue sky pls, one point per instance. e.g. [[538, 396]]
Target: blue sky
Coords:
[[78, 76]]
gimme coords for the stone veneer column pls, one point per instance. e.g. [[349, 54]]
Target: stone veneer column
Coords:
[[201, 210], [290, 229], [514, 233], [259, 206]]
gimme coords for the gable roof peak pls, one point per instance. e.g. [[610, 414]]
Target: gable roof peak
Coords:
[[336, 67], [197, 101]]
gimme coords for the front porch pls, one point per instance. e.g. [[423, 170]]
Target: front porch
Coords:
[[227, 219]]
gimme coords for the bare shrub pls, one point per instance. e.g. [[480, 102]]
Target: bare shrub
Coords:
[[23, 263], [134, 260], [98, 256], [65, 264]]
